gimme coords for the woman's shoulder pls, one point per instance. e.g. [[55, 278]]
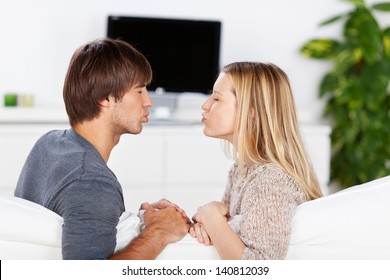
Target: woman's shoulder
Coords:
[[273, 177], [271, 170]]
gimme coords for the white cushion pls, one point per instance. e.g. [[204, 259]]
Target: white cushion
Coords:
[[189, 249], [129, 227], [28, 230], [351, 224], [31, 231]]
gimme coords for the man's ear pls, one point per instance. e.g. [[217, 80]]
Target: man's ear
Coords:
[[106, 102]]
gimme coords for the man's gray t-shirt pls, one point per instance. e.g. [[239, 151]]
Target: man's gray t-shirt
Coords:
[[67, 175]]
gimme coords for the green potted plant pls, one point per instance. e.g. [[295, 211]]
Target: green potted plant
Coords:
[[357, 94]]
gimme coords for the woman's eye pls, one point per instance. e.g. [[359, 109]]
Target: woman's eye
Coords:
[[216, 99]]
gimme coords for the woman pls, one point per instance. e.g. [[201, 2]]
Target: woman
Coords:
[[252, 107]]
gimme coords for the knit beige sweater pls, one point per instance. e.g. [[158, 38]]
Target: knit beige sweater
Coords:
[[266, 197]]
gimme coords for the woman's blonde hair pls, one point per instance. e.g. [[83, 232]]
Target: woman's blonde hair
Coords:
[[266, 128]]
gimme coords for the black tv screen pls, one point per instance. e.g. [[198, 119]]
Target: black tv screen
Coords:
[[184, 54]]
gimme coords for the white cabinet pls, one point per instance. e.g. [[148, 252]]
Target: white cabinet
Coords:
[[174, 161]]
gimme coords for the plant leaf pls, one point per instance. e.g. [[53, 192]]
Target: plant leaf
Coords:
[[375, 78], [356, 2], [331, 20], [382, 6], [346, 59], [362, 31], [328, 84], [386, 43], [320, 48]]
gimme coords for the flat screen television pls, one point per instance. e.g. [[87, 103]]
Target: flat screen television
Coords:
[[184, 54]]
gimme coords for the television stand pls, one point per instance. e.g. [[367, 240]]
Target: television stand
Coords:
[[167, 100], [177, 107]]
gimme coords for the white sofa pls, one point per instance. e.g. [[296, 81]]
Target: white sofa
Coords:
[[350, 224]]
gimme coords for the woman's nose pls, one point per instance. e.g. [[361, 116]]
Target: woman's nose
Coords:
[[205, 106]]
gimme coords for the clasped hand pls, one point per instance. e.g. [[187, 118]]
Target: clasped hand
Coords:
[[168, 219], [205, 219], [172, 222]]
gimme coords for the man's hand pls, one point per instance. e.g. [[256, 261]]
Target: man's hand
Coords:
[[164, 223], [168, 223], [162, 204]]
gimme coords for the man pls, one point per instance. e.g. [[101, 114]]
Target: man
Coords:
[[105, 96]]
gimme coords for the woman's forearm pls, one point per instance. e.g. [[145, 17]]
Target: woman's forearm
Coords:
[[227, 243]]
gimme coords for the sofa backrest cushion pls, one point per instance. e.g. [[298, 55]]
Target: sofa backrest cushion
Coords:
[[350, 224]]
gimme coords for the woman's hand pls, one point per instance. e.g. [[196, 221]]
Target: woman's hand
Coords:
[[210, 211], [211, 224], [198, 231], [207, 214]]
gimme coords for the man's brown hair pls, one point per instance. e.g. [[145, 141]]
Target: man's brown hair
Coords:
[[99, 69]]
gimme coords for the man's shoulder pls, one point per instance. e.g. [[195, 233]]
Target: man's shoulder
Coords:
[[56, 139], [53, 134]]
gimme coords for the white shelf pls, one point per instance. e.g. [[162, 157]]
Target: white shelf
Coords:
[[12, 115], [184, 116]]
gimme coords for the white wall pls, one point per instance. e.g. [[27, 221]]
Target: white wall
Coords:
[[37, 38]]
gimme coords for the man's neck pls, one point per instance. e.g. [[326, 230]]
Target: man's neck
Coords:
[[100, 136]]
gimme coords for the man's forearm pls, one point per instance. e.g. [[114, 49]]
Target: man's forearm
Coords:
[[147, 246]]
